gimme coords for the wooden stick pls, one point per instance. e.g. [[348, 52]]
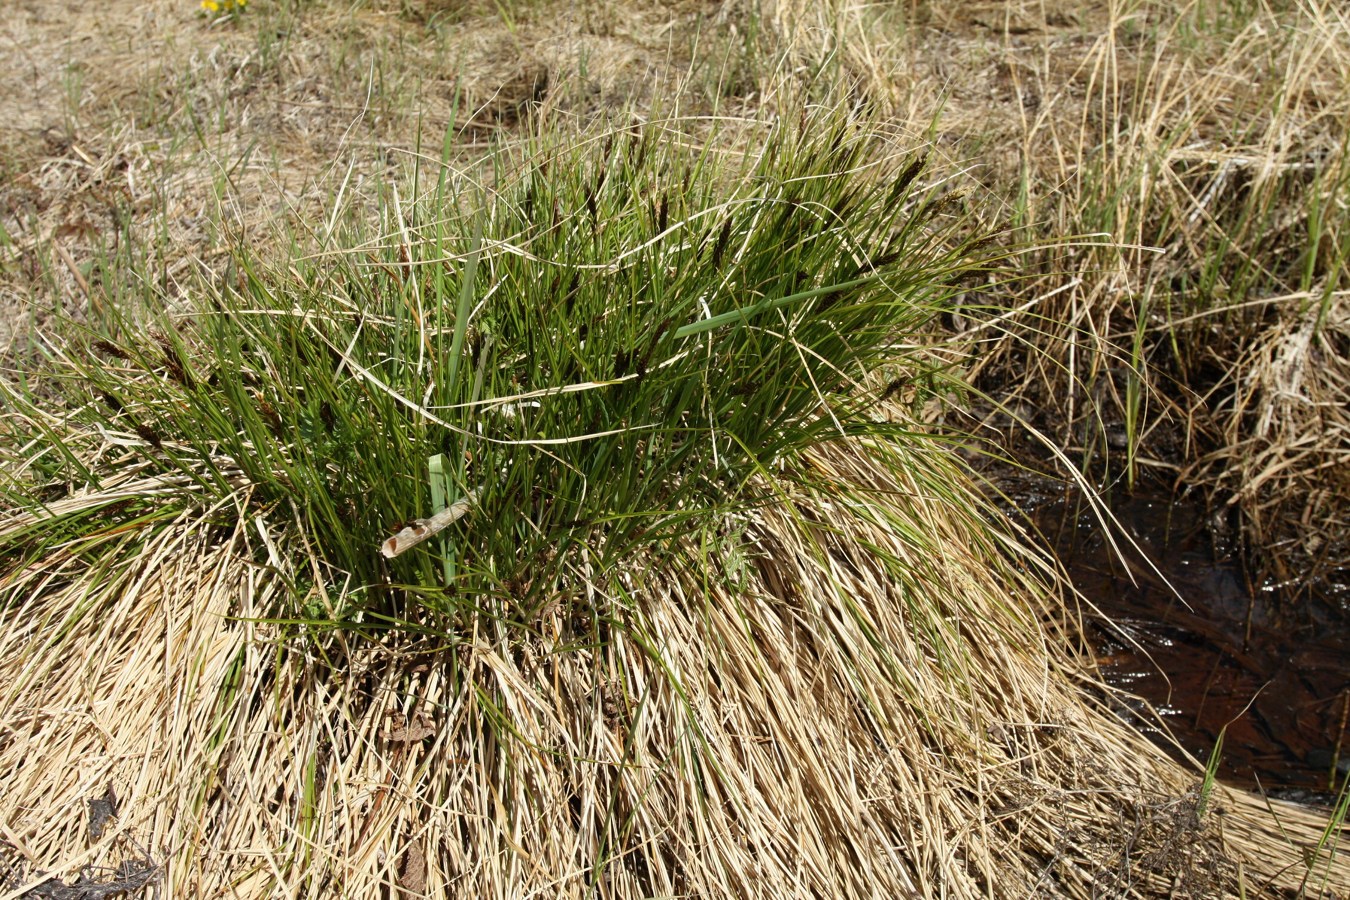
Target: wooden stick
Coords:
[[74, 269], [422, 529]]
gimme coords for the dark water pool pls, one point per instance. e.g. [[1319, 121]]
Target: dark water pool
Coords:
[[1208, 650]]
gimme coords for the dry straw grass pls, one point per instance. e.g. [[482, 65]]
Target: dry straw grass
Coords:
[[826, 729], [1285, 456], [1203, 343]]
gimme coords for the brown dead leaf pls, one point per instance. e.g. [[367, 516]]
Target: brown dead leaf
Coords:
[[101, 809], [80, 228], [404, 731], [412, 877]]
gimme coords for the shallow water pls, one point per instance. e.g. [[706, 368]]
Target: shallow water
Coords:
[[1209, 651]]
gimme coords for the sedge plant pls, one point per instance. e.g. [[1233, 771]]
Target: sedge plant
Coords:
[[609, 350]]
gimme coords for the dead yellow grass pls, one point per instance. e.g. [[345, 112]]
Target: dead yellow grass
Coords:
[[1285, 456], [140, 119], [1208, 142], [825, 730]]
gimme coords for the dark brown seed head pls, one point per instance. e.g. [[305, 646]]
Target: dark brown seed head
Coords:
[[149, 436], [173, 362], [721, 245], [895, 386], [177, 371], [111, 349], [906, 178], [112, 402], [269, 413]]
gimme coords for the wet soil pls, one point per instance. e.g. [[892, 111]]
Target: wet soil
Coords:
[[1179, 624]]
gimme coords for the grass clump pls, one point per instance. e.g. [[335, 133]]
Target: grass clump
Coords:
[[674, 382], [609, 354]]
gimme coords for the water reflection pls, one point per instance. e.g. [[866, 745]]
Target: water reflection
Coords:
[[1216, 650]]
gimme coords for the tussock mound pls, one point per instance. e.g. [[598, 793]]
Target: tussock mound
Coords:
[[875, 709]]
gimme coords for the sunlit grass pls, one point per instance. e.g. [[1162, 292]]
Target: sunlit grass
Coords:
[[610, 350]]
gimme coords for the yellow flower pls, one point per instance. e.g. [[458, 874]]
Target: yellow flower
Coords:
[[223, 5]]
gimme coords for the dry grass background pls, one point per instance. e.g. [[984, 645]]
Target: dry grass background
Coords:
[[827, 731]]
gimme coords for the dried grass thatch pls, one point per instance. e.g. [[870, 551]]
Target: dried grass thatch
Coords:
[[1201, 339], [827, 729], [1285, 457]]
